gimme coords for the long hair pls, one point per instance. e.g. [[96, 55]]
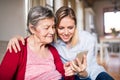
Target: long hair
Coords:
[[62, 12]]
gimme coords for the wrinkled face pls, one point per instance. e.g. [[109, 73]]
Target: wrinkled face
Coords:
[[45, 30], [66, 29]]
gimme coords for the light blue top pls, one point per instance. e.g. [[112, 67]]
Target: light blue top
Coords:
[[87, 42]]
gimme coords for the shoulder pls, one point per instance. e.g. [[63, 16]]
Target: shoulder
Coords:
[[20, 42], [86, 36], [23, 47], [85, 33], [53, 49]]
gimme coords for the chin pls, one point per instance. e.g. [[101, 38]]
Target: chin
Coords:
[[65, 41], [50, 41]]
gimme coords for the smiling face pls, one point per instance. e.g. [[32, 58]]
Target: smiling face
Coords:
[[41, 22], [44, 30], [66, 29]]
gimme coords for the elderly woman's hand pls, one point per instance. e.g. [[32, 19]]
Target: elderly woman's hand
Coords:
[[68, 69]]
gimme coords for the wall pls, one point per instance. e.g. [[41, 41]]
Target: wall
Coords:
[[98, 8], [3, 45], [12, 18]]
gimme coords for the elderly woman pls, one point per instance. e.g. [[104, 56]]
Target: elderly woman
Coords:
[[37, 60]]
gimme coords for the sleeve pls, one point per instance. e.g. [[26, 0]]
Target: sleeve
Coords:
[[93, 68], [10, 65]]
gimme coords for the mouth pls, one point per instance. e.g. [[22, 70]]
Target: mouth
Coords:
[[65, 36], [51, 36]]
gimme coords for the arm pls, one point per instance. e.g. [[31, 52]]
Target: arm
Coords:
[[13, 65], [13, 43], [93, 68], [9, 66]]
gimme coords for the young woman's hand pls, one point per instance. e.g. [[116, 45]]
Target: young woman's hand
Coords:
[[80, 67], [13, 43]]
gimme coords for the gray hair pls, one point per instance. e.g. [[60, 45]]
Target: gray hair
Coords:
[[38, 13]]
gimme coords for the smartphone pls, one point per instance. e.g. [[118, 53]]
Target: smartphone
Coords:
[[80, 55]]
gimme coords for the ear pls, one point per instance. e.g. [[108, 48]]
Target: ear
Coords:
[[32, 28]]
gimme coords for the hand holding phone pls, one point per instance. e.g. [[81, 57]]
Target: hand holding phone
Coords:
[[81, 54], [79, 65]]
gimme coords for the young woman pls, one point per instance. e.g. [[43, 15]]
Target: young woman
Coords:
[[69, 42]]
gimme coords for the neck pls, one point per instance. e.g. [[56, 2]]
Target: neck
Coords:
[[68, 45], [35, 42], [37, 47]]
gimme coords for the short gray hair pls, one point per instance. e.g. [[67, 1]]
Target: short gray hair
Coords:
[[38, 13]]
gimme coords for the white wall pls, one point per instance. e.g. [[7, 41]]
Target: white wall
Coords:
[[12, 18]]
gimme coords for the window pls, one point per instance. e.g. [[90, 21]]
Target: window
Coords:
[[111, 20]]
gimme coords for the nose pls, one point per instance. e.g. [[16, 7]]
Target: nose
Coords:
[[66, 31], [52, 30]]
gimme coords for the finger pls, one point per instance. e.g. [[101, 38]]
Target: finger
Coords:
[[85, 60], [67, 68], [67, 64], [69, 72], [9, 46], [78, 62], [74, 67], [84, 64], [78, 68], [14, 47], [16, 44], [21, 39]]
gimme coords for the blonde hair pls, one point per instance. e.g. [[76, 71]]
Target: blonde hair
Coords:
[[75, 38], [62, 12]]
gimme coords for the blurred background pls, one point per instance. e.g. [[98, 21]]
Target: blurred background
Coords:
[[99, 17]]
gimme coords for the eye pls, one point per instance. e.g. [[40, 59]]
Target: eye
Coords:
[[60, 28], [53, 27], [46, 27], [70, 27]]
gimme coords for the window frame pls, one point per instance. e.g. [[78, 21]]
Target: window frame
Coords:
[[109, 9]]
